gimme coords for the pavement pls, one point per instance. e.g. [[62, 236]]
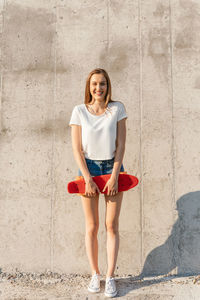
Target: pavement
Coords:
[[54, 286]]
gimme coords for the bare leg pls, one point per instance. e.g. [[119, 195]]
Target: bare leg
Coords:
[[113, 206], [90, 207]]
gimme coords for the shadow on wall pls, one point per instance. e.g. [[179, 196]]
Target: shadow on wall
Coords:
[[181, 249]]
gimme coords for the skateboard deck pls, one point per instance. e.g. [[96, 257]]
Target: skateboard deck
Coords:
[[125, 183]]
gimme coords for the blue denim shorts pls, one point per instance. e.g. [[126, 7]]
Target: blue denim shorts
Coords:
[[100, 167]]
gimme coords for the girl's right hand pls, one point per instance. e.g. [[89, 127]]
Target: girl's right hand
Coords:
[[91, 188]]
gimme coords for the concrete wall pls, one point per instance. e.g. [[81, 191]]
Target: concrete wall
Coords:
[[151, 50]]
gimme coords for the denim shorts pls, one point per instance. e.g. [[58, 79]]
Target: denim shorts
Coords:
[[100, 167]]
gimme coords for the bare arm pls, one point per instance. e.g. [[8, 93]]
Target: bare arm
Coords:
[[91, 188], [112, 183], [120, 147], [78, 153]]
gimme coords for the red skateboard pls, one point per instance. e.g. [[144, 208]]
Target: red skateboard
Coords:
[[125, 183]]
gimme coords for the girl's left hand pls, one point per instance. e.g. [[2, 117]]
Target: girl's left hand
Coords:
[[112, 185]]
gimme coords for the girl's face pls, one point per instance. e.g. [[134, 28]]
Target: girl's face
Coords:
[[98, 87]]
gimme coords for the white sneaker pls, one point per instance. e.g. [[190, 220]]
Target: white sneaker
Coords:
[[94, 286], [110, 288]]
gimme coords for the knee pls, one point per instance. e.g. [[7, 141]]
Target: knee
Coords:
[[92, 229], [112, 227]]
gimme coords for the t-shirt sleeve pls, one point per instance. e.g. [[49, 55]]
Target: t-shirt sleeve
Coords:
[[121, 112], [75, 117]]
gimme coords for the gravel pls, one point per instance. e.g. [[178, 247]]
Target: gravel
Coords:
[[51, 286]]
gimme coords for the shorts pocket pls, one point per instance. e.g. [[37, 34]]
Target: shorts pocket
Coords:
[[89, 163], [109, 165]]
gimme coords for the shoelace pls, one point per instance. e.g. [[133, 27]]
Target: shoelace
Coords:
[[110, 284], [94, 279]]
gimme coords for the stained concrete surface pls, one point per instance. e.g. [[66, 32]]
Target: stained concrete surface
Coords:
[[151, 52]]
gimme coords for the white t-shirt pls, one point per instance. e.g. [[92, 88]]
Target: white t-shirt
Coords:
[[99, 132]]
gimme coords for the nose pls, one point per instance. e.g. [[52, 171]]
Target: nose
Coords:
[[98, 87]]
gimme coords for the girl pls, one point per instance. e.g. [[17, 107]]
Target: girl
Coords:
[[98, 141]]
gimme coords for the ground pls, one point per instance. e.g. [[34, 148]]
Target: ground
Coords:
[[50, 286]]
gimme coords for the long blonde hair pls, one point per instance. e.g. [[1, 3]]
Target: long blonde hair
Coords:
[[88, 96]]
